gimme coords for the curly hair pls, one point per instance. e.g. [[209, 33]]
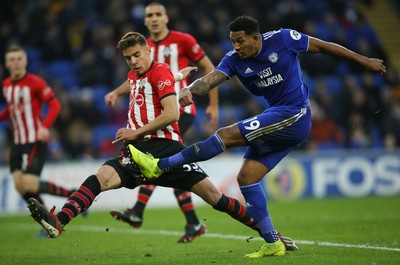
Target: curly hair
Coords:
[[245, 23]]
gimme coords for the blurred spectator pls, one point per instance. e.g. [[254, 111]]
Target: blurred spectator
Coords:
[[84, 33], [92, 70], [325, 132]]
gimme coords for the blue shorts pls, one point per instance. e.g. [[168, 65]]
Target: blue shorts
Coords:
[[272, 134]]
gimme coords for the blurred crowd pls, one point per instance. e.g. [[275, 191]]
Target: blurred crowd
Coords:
[[72, 44]]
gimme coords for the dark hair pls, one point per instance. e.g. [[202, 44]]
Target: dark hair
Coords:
[[131, 39], [245, 23]]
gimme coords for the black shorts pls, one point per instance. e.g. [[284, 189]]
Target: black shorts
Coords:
[[29, 158], [183, 177]]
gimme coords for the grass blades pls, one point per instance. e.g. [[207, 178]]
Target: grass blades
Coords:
[[329, 231]]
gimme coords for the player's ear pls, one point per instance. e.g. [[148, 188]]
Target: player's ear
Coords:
[[255, 37]]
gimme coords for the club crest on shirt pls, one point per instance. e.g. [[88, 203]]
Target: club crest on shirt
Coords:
[[273, 57], [141, 83], [295, 35], [167, 52], [161, 84]]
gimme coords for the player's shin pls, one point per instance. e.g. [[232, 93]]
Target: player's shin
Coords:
[[256, 203], [80, 200], [236, 210]]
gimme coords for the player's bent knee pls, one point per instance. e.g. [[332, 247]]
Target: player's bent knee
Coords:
[[243, 180], [108, 178]]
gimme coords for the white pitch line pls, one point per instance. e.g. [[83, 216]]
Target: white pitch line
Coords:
[[227, 236], [212, 235]]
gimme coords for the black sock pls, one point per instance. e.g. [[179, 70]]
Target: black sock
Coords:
[[184, 199], [36, 196], [236, 210], [144, 195], [80, 200], [51, 188]]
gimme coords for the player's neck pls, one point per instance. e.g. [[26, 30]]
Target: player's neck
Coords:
[[258, 48], [158, 37], [18, 75]]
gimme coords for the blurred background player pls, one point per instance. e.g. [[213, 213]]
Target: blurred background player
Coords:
[[25, 95], [178, 50]]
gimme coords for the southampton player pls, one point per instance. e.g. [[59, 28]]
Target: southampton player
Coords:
[[151, 127], [268, 66], [26, 94], [178, 50]]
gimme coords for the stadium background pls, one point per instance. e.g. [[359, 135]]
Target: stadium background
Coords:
[[353, 149]]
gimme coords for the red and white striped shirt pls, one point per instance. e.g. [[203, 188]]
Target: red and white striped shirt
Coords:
[[145, 100], [25, 98], [177, 50]]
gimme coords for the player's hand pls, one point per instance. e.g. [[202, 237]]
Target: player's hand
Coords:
[[110, 98], [43, 134], [185, 97], [124, 134], [376, 65], [187, 70], [213, 113]]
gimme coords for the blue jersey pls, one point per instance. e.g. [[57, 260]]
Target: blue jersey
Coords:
[[275, 72]]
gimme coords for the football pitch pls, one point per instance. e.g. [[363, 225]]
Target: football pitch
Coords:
[[327, 231]]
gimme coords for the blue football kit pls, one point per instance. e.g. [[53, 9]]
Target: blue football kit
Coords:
[[274, 74]]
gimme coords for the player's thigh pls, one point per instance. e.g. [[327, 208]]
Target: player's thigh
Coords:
[[29, 183], [17, 177], [231, 136], [251, 171]]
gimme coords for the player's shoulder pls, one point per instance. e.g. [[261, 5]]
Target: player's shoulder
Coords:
[[291, 33], [180, 35], [7, 81], [159, 69], [272, 34], [34, 77], [157, 66]]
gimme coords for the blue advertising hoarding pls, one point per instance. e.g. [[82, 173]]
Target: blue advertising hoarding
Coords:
[[344, 173]]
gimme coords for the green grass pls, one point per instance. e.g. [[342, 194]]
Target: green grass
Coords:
[[354, 224]]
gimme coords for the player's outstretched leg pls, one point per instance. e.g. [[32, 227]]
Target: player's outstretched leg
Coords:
[[146, 162], [48, 220]]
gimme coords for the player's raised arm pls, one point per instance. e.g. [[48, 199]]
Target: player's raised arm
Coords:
[[111, 97], [201, 86], [319, 46], [212, 109]]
